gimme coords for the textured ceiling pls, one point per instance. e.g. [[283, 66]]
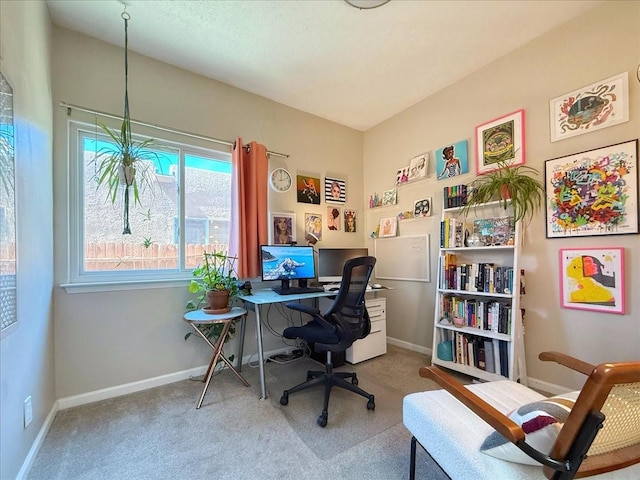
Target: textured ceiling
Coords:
[[354, 67]]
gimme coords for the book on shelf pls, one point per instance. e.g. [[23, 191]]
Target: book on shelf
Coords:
[[455, 196]]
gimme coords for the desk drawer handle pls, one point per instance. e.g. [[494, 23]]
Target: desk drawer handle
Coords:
[[375, 331]]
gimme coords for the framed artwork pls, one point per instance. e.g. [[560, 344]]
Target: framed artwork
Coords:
[[452, 160], [307, 189], [592, 279], [350, 221], [599, 105], [283, 228], [500, 140], [422, 207], [390, 197], [335, 190], [333, 218], [313, 224], [593, 192], [418, 167], [388, 227], [402, 175]]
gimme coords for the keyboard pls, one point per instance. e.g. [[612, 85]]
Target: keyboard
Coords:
[[296, 290]]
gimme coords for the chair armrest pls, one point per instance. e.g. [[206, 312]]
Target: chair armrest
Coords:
[[500, 422], [314, 312], [567, 361]]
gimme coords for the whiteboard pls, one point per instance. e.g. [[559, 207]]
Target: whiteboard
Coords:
[[403, 258]]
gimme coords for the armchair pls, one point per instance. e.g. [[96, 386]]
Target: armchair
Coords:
[[345, 321], [593, 432]]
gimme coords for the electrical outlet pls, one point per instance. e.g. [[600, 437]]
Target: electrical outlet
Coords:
[[28, 412]]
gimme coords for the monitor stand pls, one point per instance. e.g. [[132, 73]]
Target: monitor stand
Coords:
[[302, 283], [283, 287]]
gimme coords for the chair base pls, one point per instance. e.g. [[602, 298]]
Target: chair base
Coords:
[[329, 379]]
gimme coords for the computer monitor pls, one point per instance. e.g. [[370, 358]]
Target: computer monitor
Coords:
[[331, 262], [286, 263]]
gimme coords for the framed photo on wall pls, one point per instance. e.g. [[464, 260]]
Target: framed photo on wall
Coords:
[[592, 279], [500, 140], [335, 190], [599, 105], [308, 189], [593, 192], [452, 160], [388, 227], [283, 228]]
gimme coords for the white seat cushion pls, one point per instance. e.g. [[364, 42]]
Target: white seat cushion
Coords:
[[452, 434]]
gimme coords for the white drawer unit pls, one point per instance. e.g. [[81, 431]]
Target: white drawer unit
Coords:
[[375, 343]]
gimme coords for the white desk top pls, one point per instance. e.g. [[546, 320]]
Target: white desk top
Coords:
[[263, 296]]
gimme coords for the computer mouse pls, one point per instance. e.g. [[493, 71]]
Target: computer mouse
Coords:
[[376, 285]]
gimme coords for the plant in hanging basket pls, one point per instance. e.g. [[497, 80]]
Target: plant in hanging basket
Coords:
[[510, 185]]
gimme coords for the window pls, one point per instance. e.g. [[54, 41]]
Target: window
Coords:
[[170, 230]]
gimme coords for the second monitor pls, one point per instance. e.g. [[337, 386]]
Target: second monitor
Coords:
[[331, 262]]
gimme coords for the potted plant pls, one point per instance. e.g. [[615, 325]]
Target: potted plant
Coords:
[[510, 185], [215, 280], [127, 163]]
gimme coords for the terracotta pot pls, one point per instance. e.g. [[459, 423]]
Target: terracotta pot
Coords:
[[504, 192], [218, 301]]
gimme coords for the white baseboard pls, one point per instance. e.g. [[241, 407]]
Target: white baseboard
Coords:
[[37, 443], [547, 387], [409, 346]]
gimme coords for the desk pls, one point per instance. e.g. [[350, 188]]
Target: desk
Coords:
[[265, 296], [199, 317]]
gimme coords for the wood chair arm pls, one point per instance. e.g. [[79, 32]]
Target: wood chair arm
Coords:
[[500, 422], [567, 361]]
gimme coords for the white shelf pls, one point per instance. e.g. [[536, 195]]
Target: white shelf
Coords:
[[449, 298]]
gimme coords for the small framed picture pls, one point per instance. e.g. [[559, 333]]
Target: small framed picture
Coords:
[[592, 279], [599, 105], [422, 207], [335, 190], [350, 221], [308, 189], [390, 197], [388, 227], [333, 218], [452, 160], [418, 167], [283, 228], [500, 141], [402, 175], [313, 224]]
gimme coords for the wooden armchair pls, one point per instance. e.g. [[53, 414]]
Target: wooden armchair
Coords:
[[600, 434]]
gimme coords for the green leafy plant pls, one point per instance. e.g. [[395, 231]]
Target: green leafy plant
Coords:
[[217, 272], [125, 162], [511, 185]]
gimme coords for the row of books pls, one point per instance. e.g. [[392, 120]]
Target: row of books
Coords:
[[491, 315], [487, 354], [452, 233], [474, 277], [455, 196], [495, 230]]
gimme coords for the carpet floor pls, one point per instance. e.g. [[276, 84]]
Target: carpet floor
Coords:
[[158, 433]]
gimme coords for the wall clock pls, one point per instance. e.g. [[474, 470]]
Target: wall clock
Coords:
[[280, 180]]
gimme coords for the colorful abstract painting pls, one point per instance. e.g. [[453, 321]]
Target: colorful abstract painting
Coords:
[[590, 108], [592, 279], [593, 192]]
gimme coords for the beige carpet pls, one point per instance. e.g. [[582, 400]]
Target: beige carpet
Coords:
[[158, 433]]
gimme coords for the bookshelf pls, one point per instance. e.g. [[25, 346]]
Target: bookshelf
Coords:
[[478, 327]]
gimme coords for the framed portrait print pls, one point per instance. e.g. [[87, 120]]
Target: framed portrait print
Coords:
[[388, 227], [283, 228], [335, 190], [333, 218], [593, 192], [308, 189], [418, 167], [592, 279], [350, 221], [452, 160], [599, 105], [313, 224], [500, 140]]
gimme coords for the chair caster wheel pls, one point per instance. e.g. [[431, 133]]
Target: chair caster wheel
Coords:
[[284, 399], [371, 404], [322, 420], [354, 381]]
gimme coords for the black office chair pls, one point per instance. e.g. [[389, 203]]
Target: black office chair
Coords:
[[344, 322]]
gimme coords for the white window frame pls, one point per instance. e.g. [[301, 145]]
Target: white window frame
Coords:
[[80, 281]]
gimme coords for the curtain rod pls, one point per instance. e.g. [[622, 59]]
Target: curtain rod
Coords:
[[70, 107]]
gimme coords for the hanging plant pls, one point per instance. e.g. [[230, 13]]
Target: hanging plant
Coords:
[[127, 162]]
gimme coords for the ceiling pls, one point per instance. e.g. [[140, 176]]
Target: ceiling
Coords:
[[352, 66]]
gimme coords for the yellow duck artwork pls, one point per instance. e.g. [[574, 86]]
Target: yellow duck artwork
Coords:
[[583, 269]]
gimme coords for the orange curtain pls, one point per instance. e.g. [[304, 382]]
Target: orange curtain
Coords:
[[248, 206]]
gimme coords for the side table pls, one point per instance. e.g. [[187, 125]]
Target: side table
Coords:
[[196, 318]]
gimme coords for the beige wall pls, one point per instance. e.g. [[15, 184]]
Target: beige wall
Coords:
[[107, 339], [602, 43], [26, 363]]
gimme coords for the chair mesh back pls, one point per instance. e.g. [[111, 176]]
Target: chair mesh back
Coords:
[[622, 417]]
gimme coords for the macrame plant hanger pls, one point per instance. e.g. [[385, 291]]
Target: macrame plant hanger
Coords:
[[126, 123]]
